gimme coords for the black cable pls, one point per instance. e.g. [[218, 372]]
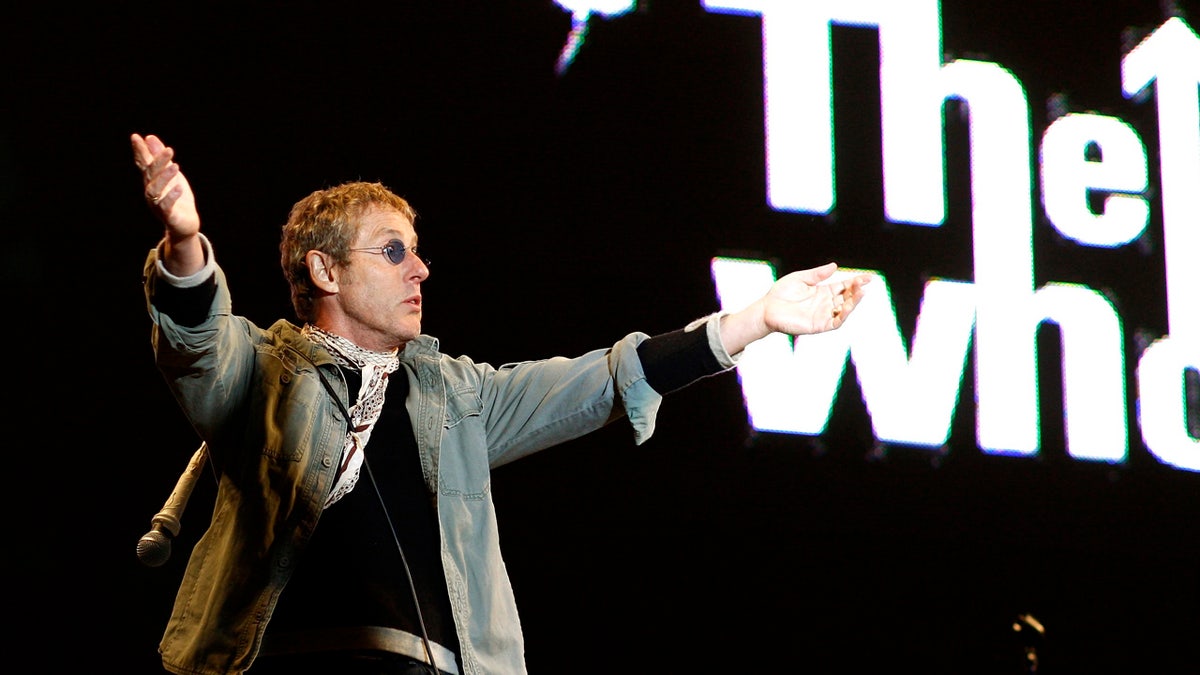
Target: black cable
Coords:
[[387, 516], [404, 561]]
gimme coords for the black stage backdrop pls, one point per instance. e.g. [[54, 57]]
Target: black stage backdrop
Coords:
[[562, 210]]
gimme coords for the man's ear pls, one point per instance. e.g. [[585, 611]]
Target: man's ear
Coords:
[[320, 271]]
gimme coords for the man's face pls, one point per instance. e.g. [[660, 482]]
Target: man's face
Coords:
[[380, 300]]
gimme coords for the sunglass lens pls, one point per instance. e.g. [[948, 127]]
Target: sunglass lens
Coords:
[[395, 250]]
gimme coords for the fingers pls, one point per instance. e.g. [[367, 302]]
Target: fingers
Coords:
[[841, 303], [158, 182], [154, 144], [813, 300], [142, 157], [149, 154], [154, 159], [847, 297], [160, 164]]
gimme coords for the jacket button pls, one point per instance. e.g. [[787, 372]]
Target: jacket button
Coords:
[[327, 461]]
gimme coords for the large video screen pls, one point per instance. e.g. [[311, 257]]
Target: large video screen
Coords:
[[993, 467]]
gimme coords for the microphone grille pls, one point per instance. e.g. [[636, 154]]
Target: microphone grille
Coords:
[[154, 548]]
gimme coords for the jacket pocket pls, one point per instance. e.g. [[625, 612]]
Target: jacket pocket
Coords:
[[286, 410], [462, 404], [463, 469]]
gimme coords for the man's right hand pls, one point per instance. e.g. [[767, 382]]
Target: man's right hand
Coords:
[[170, 198]]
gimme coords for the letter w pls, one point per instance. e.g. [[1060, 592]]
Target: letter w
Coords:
[[790, 385]]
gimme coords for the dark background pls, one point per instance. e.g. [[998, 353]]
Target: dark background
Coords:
[[561, 213]]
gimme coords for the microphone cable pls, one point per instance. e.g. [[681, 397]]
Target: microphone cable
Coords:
[[407, 572]]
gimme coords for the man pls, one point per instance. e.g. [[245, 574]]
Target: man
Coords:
[[356, 422]]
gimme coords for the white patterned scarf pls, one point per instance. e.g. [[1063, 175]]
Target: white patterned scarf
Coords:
[[375, 368]]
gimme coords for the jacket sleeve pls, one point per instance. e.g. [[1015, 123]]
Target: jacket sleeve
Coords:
[[530, 406], [208, 366]]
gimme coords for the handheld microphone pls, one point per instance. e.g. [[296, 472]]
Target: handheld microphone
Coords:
[[154, 548]]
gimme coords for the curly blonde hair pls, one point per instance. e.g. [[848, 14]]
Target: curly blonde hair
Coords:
[[328, 220]]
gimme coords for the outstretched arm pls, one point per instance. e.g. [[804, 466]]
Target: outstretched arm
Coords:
[[171, 200], [797, 304]]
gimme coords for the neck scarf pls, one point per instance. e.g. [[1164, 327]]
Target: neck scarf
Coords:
[[375, 368]]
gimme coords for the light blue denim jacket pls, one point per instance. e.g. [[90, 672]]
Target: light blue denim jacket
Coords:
[[272, 407]]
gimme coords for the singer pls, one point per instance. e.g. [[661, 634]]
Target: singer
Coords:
[[354, 529]]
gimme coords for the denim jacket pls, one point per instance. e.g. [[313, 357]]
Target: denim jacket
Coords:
[[272, 407]]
